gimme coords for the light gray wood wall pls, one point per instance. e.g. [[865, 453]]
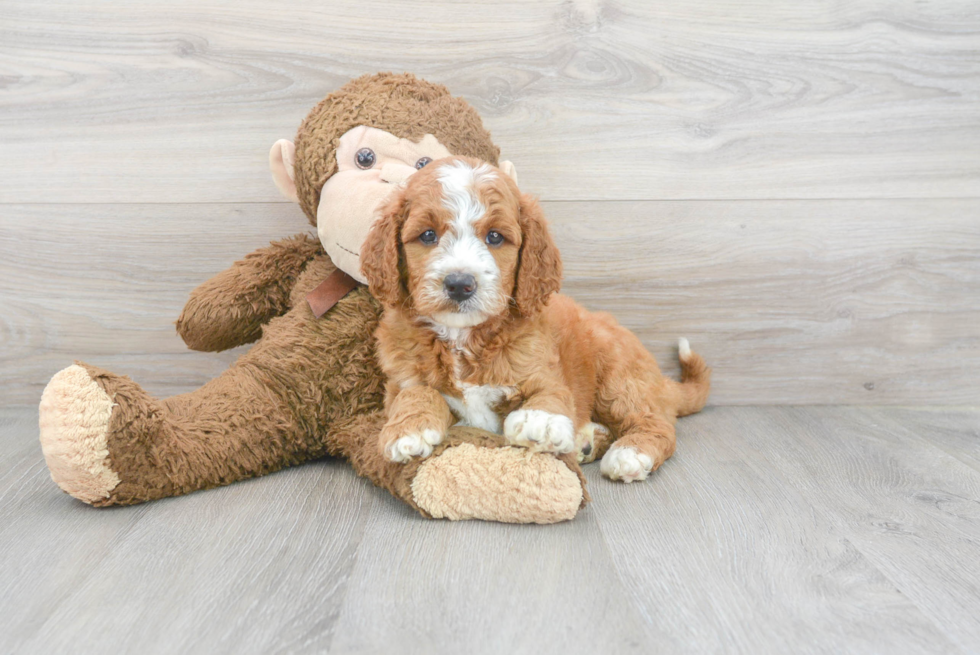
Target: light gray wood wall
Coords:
[[795, 187]]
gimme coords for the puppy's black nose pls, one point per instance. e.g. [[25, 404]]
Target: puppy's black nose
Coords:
[[459, 286]]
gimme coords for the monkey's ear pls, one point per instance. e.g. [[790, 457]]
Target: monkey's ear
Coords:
[[281, 159], [509, 170]]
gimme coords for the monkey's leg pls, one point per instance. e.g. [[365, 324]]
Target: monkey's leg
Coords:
[[107, 442], [472, 474]]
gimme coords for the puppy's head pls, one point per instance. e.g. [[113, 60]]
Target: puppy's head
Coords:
[[460, 244]]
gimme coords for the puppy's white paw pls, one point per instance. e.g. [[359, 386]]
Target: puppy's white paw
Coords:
[[533, 428], [405, 448], [625, 463]]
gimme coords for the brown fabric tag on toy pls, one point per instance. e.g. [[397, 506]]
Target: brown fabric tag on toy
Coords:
[[329, 292]]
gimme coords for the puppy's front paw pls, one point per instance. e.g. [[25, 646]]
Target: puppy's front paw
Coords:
[[625, 463], [404, 448], [533, 428]]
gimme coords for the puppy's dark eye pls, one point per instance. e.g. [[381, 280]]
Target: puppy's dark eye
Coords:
[[494, 238], [365, 158], [422, 163], [429, 237]]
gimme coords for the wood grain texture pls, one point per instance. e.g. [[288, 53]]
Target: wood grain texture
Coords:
[[790, 301], [907, 506], [957, 433], [105, 284], [773, 530], [486, 588], [815, 302], [260, 566], [770, 568], [179, 102]]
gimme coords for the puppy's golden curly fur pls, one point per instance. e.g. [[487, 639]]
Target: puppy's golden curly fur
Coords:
[[508, 353]]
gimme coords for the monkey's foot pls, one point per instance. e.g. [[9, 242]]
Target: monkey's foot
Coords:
[[590, 439], [507, 484], [98, 431], [74, 422]]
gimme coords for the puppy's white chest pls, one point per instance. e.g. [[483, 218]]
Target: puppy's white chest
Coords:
[[475, 408]]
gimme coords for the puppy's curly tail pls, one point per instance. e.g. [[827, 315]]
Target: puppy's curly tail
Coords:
[[695, 380]]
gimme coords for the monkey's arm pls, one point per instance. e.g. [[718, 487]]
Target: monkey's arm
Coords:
[[229, 309]]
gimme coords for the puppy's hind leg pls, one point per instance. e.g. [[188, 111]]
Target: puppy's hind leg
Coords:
[[647, 441], [636, 403], [641, 406]]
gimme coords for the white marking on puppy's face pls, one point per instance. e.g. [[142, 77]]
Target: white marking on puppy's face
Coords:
[[463, 251], [459, 184], [461, 242]]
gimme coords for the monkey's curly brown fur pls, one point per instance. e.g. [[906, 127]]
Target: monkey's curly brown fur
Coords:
[[412, 109]]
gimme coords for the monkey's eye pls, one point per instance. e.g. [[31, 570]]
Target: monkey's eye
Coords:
[[422, 163], [494, 238], [429, 238], [365, 158]]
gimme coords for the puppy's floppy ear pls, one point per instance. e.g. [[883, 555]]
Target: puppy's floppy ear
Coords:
[[539, 269], [381, 250]]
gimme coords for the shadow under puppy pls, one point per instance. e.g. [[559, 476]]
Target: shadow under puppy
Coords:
[[474, 333]]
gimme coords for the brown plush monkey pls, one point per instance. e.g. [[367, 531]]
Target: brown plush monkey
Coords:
[[310, 386]]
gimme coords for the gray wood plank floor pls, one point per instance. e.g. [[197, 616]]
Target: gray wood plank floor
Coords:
[[773, 530]]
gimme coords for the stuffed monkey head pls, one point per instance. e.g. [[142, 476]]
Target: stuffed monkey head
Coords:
[[362, 141]]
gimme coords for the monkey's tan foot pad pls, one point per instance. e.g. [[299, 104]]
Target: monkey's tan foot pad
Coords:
[[589, 440], [74, 424], [511, 485]]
